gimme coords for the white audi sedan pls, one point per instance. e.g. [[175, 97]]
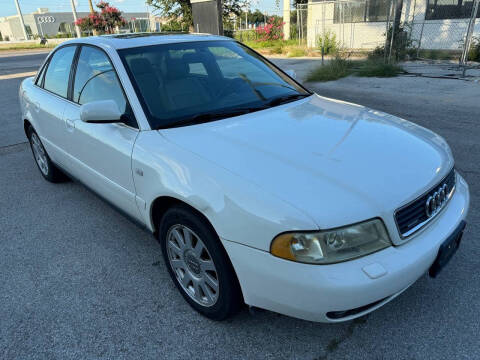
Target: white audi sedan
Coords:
[[258, 190]]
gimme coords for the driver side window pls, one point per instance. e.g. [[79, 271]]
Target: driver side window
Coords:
[[95, 79]]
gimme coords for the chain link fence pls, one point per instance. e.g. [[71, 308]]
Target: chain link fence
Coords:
[[431, 29], [299, 23]]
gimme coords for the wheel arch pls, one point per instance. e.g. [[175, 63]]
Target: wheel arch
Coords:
[[26, 125], [161, 205]]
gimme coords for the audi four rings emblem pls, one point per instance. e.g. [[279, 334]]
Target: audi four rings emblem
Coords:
[[436, 201], [46, 19]]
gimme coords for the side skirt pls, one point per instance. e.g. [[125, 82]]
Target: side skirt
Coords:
[[108, 202]]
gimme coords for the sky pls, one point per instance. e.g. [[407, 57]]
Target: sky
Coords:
[[7, 7]]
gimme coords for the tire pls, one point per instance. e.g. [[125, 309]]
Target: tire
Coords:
[[48, 170], [191, 266]]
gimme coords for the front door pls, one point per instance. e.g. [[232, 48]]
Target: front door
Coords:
[[101, 153]]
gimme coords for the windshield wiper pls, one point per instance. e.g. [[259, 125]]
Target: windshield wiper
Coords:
[[285, 99], [212, 116], [207, 117]]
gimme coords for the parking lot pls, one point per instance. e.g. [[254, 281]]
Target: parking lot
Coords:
[[78, 280]]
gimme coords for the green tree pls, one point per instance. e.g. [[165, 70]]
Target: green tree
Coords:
[[256, 17], [181, 10]]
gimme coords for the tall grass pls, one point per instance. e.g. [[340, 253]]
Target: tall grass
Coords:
[[339, 67], [371, 68], [333, 70]]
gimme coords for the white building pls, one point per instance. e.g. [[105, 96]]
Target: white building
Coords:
[[361, 24]]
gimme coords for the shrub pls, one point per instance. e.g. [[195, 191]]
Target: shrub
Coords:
[[329, 43], [474, 53], [103, 22], [245, 35], [401, 47], [335, 69], [273, 30]]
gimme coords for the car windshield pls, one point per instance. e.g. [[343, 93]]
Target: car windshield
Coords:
[[193, 82]]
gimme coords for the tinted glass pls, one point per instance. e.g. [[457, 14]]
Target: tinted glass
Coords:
[[95, 79], [177, 82], [58, 71]]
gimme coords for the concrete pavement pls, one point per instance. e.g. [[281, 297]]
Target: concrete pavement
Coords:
[[80, 281]]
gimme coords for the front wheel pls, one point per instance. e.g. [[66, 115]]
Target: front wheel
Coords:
[[198, 264]]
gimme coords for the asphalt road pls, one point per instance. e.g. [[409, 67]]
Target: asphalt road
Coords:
[[80, 281]]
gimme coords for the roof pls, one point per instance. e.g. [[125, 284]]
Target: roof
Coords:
[[123, 41]]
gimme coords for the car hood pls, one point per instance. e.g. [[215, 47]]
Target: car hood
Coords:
[[337, 162]]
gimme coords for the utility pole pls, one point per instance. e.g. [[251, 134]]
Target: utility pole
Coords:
[[91, 6], [91, 12], [74, 11], [286, 19], [21, 20]]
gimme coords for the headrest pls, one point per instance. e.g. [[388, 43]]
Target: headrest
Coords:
[[176, 68], [193, 58], [141, 66]]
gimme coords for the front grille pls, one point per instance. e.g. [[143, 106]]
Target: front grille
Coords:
[[413, 216]]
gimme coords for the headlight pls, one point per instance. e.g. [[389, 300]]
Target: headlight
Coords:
[[332, 246]]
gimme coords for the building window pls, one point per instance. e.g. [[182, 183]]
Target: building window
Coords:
[[65, 28], [449, 9], [365, 11]]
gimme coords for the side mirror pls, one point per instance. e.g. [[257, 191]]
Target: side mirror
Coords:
[[291, 73], [103, 111]]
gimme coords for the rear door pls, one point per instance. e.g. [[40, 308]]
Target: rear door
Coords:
[[101, 152], [49, 101]]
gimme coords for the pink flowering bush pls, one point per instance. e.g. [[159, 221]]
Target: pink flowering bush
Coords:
[[103, 22], [272, 30]]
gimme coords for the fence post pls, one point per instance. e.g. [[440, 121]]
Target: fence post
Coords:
[[298, 22], [421, 36], [387, 27], [468, 38], [392, 36], [323, 32]]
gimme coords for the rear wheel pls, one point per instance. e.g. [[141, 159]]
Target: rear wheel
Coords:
[[48, 170], [198, 264]]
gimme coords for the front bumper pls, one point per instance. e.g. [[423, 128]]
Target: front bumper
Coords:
[[311, 291]]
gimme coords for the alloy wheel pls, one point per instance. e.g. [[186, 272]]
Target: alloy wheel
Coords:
[[192, 265], [39, 154]]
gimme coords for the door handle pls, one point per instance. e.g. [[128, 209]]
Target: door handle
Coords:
[[70, 124]]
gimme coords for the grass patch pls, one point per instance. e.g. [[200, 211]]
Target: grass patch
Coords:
[[333, 70], [288, 48], [377, 69], [339, 68], [439, 54], [296, 51], [254, 44], [26, 46]]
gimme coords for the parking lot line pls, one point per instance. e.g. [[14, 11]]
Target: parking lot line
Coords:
[[17, 75]]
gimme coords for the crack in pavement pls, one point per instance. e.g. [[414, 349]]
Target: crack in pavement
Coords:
[[12, 148], [336, 342]]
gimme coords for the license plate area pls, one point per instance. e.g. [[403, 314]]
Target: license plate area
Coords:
[[446, 250]]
